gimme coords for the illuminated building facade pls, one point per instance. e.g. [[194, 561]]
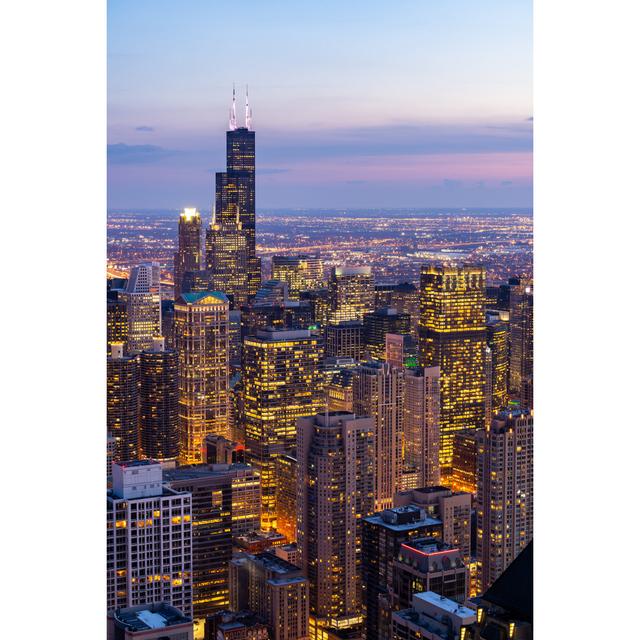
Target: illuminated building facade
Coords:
[[142, 297], [378, 391], [274, 589], [148, 539], [453, 509], [117, 326], [202, 342], [498, 342], [319, 300], [159, 435], [235, 625], [452, 336], [465, 460], [335, 492], [221, 450], [425, 564], [123, 378], [231, 239], [376, 327], [286, 468], [345, 340], [340, 391], [521, 338], [282, 382], [382, 537], [505, 492], [421, 427], [301, 273], [351, 293], [211, 488], [400, 350], [189, 254]]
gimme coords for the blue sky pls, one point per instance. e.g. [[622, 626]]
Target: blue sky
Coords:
[[355, 104]]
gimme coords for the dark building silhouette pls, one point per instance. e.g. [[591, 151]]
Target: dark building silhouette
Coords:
[[189, 254], [159, 435]]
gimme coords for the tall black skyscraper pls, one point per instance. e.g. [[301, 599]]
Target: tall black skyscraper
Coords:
[[231, 238]]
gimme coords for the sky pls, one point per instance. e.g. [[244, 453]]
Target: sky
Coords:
[[410, 103]]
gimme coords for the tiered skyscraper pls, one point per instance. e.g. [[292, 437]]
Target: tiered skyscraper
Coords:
[[452, 336], [231, 238], [142, 297]]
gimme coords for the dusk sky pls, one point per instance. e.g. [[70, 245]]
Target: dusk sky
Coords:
[[423, 103]]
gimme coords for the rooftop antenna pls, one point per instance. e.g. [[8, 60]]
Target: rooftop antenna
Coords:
[[232, 112], [247, 110]]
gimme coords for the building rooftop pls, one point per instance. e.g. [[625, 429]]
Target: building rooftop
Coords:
[[451, 606], [194, 297], [195, 471], [146, 617], [276, 335], [402, 518]]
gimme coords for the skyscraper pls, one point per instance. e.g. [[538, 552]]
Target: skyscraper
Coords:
[[274, 589], [123, 375], [159, 435], [231, 239], [351, 293], [188, 256], [142, 297], [148, 539], [521, 338], [335, 492], [344, 340], [382, 536], [452, 336], [421, 427], [301, 273], [282, 382], [378, 391], [505, 492], [117, 327], [498, 342], [202, 342], [211, 489], [378, 324]]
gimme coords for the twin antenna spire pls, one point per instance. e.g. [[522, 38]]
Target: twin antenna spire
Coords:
[[233, 123]]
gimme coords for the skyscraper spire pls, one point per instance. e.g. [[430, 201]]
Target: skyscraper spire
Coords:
[[247, 110], [232, 112]]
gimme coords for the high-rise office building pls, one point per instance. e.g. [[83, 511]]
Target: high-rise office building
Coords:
[[274, 589], [465, 460], [425, 564], [212, 507], [282, 382], [117, 326], [453, 509], [433, 617], [521, 339], [382, 536], [231, 238], [123, 377], [301, 273], [378, 324], [378, 391], [142, 297], [335, 492], [452, 336], [167, 310], [505, 492], [189, 254], [351, 293], [202, 342], [498, 342], [148, 539], [285, 470], [159, 435], [345, 340], [320, 302], [340, 391], [403, 296], [421, 428]]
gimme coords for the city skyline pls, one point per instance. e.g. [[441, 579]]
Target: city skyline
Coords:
[[450, 125]]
